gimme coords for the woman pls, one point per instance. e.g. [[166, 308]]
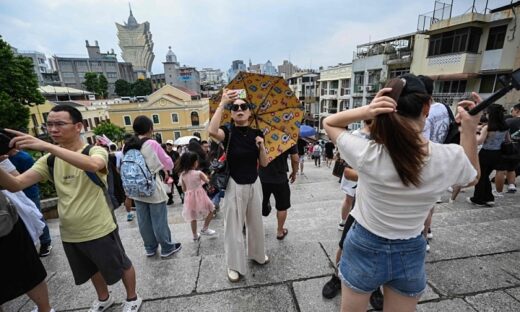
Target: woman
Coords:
[[243, 197], [400, 175], [491, 137], [152, 213]]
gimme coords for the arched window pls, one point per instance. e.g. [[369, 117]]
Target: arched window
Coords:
[[194, 118]]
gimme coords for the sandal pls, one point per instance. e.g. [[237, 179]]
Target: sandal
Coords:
[[285, 232]]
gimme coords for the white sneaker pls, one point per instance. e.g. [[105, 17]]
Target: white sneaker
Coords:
[[497, 194], [99, 306], [511, 188], [451, 201], [208, 232], [429, 235], [233, 275], [196, 238], [427, 247], [36, 310], [450, 189], [132, 306]]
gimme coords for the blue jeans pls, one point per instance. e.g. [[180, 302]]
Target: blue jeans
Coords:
[[369, 261], [45, 238], [153, 226], [216, 199]]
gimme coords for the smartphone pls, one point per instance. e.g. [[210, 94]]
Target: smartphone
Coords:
[[5, 139], [241, 93]]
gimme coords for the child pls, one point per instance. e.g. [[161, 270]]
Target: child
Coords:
[[197, 204]]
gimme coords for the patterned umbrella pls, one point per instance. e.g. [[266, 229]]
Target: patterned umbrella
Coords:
[[277, 112]]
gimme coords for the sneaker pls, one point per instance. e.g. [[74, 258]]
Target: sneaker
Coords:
[[376, 299], [132, 306], [170, 202], [36, 310], [451, 201], [427, 246], [99, 306], [511, 188], [450, 189], [490, 203], [470, 201], [497, 194], [208, 232], [266, 260], [176, 248], [341, 226], [429, 235], [331, 288], [45, 250], [129, 217], [438, 201], [233, 276], [196, 238], [151, 253]]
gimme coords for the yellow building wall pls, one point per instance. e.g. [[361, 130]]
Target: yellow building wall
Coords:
[[37, 113]]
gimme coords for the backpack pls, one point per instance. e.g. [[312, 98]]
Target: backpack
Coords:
[[8, 215], [137, 179], [453, 136]]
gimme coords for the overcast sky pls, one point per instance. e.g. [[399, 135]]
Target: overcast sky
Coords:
[[212, 33]]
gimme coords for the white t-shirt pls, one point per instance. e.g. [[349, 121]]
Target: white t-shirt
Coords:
[[7, 166], [384, 205], [437, 124]]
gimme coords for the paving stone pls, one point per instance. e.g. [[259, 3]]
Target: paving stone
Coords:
[[497, 301], [509, 262], [471, 275], [455, 305], [308, 295], [268, 298], [514, 292], [429, 294], [16, 304], [287, 262]]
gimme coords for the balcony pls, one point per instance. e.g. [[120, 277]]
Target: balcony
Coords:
[[454, 63]]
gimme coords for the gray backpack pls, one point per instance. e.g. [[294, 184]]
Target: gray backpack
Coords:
[[8, 215]]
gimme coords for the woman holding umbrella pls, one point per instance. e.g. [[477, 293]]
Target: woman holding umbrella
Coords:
[[243, 199]]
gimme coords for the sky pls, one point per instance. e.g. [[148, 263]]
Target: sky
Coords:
[[213, 33]]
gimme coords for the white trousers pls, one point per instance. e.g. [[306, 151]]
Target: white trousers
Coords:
[[243, 204]]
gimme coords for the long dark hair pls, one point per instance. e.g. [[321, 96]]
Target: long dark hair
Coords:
[[141, 126], [186, 162], [401, 138], [496, 118]]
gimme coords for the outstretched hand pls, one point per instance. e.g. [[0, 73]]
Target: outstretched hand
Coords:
[[26, 141], [381, 104]]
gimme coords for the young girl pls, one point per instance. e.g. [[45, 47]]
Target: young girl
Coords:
[[197, 204]]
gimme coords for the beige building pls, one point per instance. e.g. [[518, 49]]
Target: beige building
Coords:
[[334, 91], [469, 53], [175, 112]]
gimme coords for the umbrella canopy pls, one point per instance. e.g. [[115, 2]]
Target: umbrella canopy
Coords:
[[277, 112], [307, 131], [185, 140]]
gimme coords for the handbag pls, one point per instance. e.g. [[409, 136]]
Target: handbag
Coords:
[[220, 178], [510, 149], [339, 168]]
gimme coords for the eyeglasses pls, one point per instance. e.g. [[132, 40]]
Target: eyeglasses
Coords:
[[57, 124], [236, 107]]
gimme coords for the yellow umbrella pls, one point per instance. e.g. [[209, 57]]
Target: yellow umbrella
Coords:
[[277, 112]]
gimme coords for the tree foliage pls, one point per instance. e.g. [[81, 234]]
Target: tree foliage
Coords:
[[123, 88], [112, 131], [96, 83], [142, 87], [18, 88]]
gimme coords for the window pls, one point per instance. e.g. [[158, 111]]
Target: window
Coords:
[[197, 134], [357, 102], [194, 118], [399, 72], [460, 40], [359, 78], [96, 121], [85, 124], [451, 86], [111, 75], [68, 75], [175, 117], [496, 37], [488, 84], [344, 105], [155, 118], [374, 76], [127, 120], [45, 115], [158, 137], [34, 120], [176, 135]]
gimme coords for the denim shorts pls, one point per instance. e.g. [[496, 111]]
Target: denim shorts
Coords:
[[369, 261]]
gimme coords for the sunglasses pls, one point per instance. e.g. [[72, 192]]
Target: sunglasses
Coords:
[[243, 107]]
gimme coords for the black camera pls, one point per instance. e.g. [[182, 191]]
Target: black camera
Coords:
[[5, 139]]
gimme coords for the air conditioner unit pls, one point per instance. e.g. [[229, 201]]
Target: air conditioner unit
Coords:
[[370, 88], [360, 88]]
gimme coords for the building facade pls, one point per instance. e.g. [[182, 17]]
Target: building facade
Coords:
[[72, 70], [469, 53], [236, 67], [306, 88], [335, 92], [173, 111], [135, 41], [287, 69]]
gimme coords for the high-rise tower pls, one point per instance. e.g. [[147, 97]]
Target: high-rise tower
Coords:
[[135, 41]]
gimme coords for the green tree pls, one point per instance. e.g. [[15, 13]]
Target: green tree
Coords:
[[142, 87], [91, 82], [102, 86], [112, 131], [123, 88], [18, 88]]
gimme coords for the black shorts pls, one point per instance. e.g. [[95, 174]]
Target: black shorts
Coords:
[[281, 192], [348, 223], [105, 255], [20, 267]]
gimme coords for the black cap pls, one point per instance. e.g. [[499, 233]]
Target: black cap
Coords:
[[413, 84]]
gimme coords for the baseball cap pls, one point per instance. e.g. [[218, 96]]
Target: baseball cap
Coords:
[[169, 142]]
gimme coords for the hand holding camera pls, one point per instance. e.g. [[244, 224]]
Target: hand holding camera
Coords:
[[5, 140]]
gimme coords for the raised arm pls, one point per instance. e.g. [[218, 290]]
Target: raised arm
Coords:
[[214, 130], [19, 182]]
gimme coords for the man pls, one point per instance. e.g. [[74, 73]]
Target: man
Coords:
[[329, 153], [88, 230], [514, 126], [174, 155], [205, 146], [274, 181], [23, 162], [302, 146]]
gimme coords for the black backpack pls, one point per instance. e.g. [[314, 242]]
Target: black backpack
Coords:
[[453, 136]]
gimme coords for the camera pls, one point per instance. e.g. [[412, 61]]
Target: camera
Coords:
[[5, 139]]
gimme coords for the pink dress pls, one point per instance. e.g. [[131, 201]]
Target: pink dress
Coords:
[[197, 204]]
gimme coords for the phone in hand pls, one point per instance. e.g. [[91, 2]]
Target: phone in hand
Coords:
[[5, 139], [241, 93]]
